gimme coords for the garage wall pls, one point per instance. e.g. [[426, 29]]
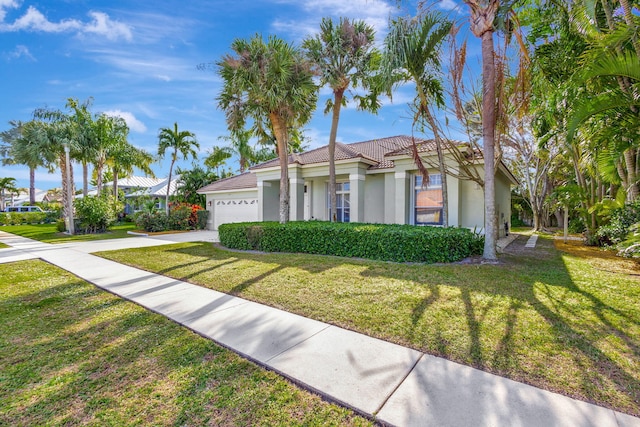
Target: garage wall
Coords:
[[232, 207]]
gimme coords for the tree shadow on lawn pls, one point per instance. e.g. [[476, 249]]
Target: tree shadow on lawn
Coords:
[[88, 357], [570, 309]]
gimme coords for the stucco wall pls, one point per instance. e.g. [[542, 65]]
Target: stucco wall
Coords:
[[374, 199]]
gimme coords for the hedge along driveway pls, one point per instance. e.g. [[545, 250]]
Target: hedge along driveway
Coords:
[[562, 321], [387, 242]]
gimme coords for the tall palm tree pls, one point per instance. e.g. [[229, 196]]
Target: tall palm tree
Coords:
[[182, 142], [412, 51], [110, 136], [482, 18], [57, 133], [271, 85], [344, 54], [83, 127]]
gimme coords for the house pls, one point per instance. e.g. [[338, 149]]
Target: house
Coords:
[[135, 187], [377, 182]]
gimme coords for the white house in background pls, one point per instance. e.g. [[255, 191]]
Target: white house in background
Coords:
[[23, 198], [139, 186], [377, 182]]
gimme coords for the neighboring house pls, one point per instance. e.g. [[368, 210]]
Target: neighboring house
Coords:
[[377, 182], [136, 187], [23, 198]]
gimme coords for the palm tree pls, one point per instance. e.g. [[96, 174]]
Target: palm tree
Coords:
[[217, 157], [83, 127], [7, 185], [110, 136], [23, 147], [182, 142], [271, 85], [413, 46], [57, 133], [344, 55], [483, 15], [240, 145]]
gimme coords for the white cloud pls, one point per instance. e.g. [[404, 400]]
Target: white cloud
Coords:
[[104, 26], [374, 12], [21, 51], [33, 20], [133, 123], [448, 5]]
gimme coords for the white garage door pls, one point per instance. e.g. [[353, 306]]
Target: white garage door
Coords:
[[234, 210]]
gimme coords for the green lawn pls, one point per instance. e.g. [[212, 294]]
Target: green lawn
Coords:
[[566, 319], [2, 246], [71, 354], [47, 233]]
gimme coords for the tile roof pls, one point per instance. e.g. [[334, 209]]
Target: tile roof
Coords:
[[374, 151], [245, 180]]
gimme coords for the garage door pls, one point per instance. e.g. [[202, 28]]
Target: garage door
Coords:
[[234, 210]]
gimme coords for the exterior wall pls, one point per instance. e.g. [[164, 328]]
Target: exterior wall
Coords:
[[471, 205], [375, 199], [503, 202], [211, 199]]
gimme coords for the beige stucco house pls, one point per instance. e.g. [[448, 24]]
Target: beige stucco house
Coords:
[[377, 182]]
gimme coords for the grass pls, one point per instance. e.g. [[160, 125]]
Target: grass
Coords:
[[563, 318], [3, 246], [49, 234], [71, 354]]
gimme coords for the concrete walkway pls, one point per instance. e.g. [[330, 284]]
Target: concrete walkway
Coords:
[[397, 385]]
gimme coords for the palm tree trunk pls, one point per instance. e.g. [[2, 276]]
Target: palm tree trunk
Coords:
[[85, 179], [488, 137], [65, 188], [337, 104], [166, 204], [282, 137], [32, 186]]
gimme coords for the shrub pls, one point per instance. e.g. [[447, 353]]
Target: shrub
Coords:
[[96, 213], [17, 218], [401, 243], [203, 217], [180, 218], [193, 209], [619, 226], [61, 226], [151, 221]]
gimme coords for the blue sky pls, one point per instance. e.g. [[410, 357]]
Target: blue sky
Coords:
[[138, 59]]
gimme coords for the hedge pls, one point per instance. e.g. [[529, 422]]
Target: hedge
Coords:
[[387, 242], [17, 218]]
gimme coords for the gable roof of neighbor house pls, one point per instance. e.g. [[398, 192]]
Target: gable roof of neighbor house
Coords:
[[376, 152], [138, 182], [157, 189]]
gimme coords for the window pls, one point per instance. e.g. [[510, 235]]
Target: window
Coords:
[[428, 201], [343, 205]]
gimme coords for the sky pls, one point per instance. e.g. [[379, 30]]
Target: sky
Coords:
[[139, 60]]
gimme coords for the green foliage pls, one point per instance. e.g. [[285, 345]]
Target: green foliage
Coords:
[[400, 243], [97, 213], [61, 225], [151, 221], [622, 219], [183, 216], [203, 216], [17, 218]]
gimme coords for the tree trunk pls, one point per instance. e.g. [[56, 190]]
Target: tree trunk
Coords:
[[65, 188], [337, 104], [282, 138], [32, 186], [85, 179], [488, 137], [166, 207]]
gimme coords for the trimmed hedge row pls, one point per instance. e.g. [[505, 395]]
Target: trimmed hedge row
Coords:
[[17, 218], [387, 242]]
